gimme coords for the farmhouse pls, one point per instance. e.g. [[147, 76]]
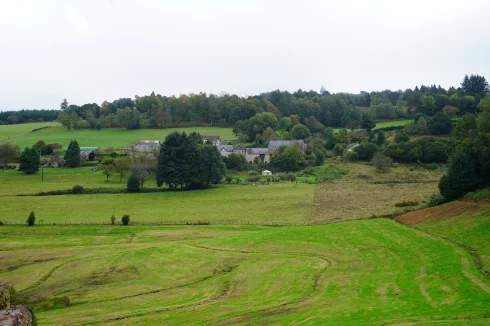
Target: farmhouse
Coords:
[[55, 162], [146, 146], [255, 155], [214, 139], [225, 150], [266, 172]]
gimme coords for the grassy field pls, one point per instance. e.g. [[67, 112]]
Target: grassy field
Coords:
[[118, 138], [300, 203], [280, 203], [394, 123], [353, 273], [467, 222]]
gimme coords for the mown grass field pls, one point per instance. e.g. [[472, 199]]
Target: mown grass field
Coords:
[[354, 273], [115, 137], [467, 222]]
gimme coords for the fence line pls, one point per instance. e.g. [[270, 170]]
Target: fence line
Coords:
[[157, 223]]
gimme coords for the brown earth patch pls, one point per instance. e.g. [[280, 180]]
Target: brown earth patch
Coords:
[[448, 210]]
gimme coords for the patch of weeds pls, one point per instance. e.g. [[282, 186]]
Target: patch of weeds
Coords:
[[407, 203], [478, 195]]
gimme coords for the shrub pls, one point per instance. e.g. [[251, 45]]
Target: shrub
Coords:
[[229, 179], [252, 172], [366, 150], [352, 156], [401, 137], [1, 223], [436, 199], [113, 219], [291, 176], [432, 166], [407, 203], [338, 149], [77, 189], [381, 163], [125, 219], [253, 178], [133, 183], [309, 170], [31, 219]]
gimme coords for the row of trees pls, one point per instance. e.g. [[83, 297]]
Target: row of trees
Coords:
[[157, 111]]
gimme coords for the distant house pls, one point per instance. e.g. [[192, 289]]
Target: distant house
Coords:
[[86, 153], [146, 146], [275, 144], [55, 162], [214, 139], [225, 150], [266, 172], [255, 155]]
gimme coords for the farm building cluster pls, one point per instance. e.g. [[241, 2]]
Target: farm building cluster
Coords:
[[252, 155], [256, 155]]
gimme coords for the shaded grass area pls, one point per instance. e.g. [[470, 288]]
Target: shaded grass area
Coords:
[[359, 272], [222, 204], [466, 222], [113, 137]]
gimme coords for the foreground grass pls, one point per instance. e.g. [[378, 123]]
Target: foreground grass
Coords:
[[466, 222], [114, 137], [353, 273], [280, 203]]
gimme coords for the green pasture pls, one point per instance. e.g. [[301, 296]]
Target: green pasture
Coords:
[[279, 203], [394, 123], [470, 226], [115, 137], [354, 273]]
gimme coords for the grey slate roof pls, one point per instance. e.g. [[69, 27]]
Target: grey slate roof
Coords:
[[228, 148]]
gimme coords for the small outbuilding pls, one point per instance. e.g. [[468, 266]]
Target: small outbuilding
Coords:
[[55, 162], [266, 172]]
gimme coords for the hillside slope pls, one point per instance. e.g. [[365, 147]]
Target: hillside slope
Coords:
[[465, 222]]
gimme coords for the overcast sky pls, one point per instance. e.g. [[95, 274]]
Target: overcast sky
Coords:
[[91, 51]]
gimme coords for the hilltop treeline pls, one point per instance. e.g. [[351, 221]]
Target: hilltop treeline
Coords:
[[23, 116], [157, 111]]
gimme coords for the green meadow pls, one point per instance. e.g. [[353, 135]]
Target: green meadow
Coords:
[[352, 273], [22, 135]]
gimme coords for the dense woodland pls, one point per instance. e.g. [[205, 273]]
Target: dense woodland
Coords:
[[335, 110]]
